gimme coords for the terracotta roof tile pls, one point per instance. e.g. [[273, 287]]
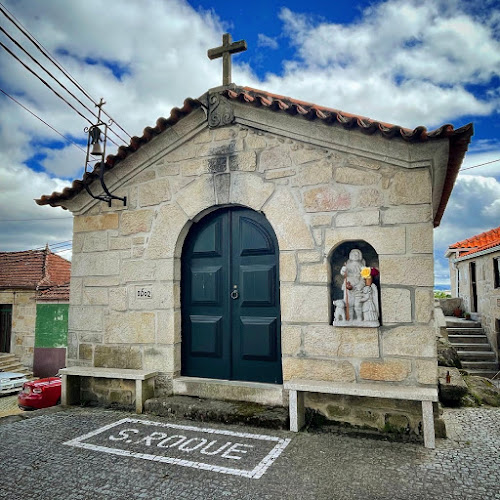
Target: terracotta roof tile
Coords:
[[32, 269], [459, 138], [478, 243], [56, 292]]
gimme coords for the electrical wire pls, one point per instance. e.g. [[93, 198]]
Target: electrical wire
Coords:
[[13, 40], [29, 220], [49, 87], [54, 61], [43, 121], [60, 246], [39, 249], [43, 81], [480, 165], [51, 58]]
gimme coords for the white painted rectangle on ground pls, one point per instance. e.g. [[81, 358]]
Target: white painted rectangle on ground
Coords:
[[217, 450]]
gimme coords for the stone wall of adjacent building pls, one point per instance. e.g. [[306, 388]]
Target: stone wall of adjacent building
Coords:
[[488, 297], [23, 323], [125, 282]]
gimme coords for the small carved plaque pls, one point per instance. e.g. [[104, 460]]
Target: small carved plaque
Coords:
[[498, 302], [144, 292]]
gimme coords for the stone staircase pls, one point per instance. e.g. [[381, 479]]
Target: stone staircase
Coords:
[[10, 363], [473, 347]]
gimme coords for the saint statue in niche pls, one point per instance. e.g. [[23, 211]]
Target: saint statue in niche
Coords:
[[359, 306]]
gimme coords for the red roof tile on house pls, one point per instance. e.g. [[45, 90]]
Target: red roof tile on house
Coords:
[[56, 292], [33, 269], [478, 243], [459, 138]]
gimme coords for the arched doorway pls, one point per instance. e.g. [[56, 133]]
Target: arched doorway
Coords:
[[230, 298]]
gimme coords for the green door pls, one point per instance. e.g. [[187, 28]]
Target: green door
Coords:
[[230, 298]]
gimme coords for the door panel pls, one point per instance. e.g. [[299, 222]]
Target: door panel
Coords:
[[253, 238], [206, 286], [209, 241], [206, 336], [257, 285], [230, 298], [206, 344], [258, 339], [256, 342]]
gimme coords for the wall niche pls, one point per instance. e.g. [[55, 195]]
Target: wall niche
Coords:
[[355, 285]]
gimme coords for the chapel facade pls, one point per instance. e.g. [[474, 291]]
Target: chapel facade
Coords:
[[248, 217]]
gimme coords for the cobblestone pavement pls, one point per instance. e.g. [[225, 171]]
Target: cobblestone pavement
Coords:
[[8, 405], [35, 464]]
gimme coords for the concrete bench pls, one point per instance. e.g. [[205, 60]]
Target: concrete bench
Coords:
[[70, 390], [427, 395]]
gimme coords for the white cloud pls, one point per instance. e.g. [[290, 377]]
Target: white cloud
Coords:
[[424, 40], [472, 209], [161, 44], [492, 211], [485, 158], [23, 224], [403, 61], [267, 41], [441, 271], [67, 162]]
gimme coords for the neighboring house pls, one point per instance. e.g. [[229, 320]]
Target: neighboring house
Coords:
[[245, 213], [475, 278], [34, 301]]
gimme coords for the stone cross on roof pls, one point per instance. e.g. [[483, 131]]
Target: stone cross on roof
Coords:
[[225, 50]]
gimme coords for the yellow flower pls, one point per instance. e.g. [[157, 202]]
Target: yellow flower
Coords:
[[366, 272]]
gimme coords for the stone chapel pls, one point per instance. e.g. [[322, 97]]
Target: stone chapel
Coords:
[[269, 250]]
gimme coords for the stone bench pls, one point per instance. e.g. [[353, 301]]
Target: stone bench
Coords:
[[70, 390], [427, 395]]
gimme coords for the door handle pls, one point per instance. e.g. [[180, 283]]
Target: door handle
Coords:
[[235, 294]]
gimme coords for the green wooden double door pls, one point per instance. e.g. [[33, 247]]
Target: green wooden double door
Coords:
[[230, 298]]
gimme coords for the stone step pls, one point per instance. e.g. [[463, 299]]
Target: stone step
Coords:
[[228, 412], [465, 331], [24, 371], [10, 363], [462, 323], [480, 365], [482, 373], [468, 339], [6, 358], [230, 390], [471, 347], [11, 367], [477, 355]]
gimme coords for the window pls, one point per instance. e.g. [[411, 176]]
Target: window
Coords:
[[496, 272]]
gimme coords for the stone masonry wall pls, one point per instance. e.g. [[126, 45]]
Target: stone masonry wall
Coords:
[[23, 323], [125, 283], [488, 297]]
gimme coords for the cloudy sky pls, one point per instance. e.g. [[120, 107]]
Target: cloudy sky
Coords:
[[405, 62]]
